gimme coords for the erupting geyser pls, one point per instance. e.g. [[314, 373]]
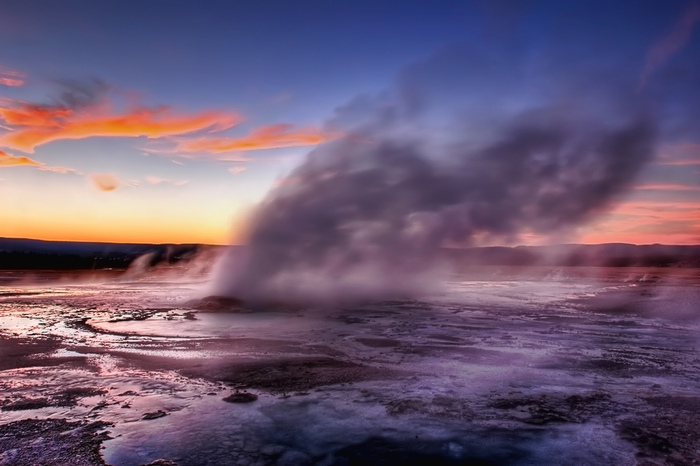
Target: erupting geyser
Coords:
[[365, 214]]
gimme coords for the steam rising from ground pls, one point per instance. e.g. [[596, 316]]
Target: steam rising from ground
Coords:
[[460, 152]]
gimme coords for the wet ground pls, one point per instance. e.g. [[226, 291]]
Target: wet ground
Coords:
[[500, 366]]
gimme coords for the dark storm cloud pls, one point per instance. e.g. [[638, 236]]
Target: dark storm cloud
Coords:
[[432, 163]]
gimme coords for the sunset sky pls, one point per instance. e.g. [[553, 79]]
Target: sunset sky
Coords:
[[167, 121]]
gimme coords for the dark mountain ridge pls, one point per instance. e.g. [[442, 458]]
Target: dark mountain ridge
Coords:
[[16, 254], [23, 254], [585, 255]]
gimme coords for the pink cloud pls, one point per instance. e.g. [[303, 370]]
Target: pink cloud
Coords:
[[12, 78], [667, 187], [685, 154], [237, 169], [155, 180], [679, 162], [646, 223], [671, 43]]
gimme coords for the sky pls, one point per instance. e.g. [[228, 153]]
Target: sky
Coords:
[[168, 121]]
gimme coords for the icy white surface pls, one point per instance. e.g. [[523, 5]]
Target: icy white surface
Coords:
[[513, 367]]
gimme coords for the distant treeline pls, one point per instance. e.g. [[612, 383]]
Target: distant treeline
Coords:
[[24, 254]]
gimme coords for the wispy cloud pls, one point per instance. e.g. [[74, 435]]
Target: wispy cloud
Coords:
[[686, 154], [32, 125], [679, 162], [8, 160], [667, 187], [105, 181], [12, 78], [685, 146], [236, 169], [660, 209], [288, 181], [155, 180], [671, 43], [644, 222], [266, 137], [84, 110], [283, 96], [62, 170]]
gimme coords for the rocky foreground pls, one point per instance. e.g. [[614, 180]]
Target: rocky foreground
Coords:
[[492, 371]]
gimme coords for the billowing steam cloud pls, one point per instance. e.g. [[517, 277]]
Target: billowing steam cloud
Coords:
[[365, 215]]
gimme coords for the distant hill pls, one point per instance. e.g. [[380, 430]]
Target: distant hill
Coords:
[[22, 254], [572, 255]]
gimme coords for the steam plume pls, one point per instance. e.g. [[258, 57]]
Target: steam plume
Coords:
[[365, 215]]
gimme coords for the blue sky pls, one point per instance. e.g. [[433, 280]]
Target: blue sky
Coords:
[[231, 72]]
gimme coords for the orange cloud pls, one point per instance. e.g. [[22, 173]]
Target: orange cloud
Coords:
[[105, 181], [12, 78], [670, 44], [7, 160], [26, 114], [267, 137], [33, 125]]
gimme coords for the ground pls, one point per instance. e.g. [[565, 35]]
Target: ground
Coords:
[[569, 366]]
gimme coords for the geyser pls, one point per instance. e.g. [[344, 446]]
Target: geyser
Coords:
[[365, 214]]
